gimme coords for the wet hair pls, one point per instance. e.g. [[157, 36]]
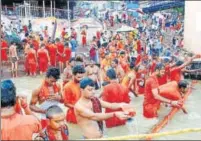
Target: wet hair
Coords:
[[86, 82], [66, 44], [159, 66], [52, 110], [182, 84], [79, 59], [115, 60], [78, 69], [57, 39], [132, 65], [42, 45], [111, 74], [179, 63], [122, 52], [72, 59], [53, 72], [8, 94], [41, 38], [31, 46], [166, 60], [105, 83]]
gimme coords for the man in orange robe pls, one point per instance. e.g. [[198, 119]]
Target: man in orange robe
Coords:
[[152, 99], [15, 126], [48, 94], [60, 52], [71, 93], [52, 52], [114, 93], [43, 59], [32, 61], [67, 53]]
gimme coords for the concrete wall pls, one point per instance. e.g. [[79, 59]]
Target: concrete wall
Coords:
[[192, 26]]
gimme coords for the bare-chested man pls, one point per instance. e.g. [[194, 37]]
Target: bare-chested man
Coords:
[[13, 58], [93, 72], [118, 69], [48, 94], [89, 114], [67, 76]]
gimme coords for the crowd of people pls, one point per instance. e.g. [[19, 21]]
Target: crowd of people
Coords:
[[137, 63]]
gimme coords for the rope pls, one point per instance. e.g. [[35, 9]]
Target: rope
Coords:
[[141, 136]]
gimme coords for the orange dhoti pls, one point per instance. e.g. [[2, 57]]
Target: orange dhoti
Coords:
[[114, 121], [151, 110], [43, 65], [32, 67], [53, 60], [4, 56], [70, 116]]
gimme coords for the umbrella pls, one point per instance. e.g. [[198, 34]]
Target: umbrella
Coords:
[[125, 28]]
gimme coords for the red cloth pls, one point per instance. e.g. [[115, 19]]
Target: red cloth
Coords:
[[138, 59], [98, 35], [139, 47], [150, 105], [44, 123], [153, 66], [67, 52], [42, 60], [4, 47], [31, 60], [140, 89], [25, 29], [71, 95], [92, 52], [52, 52], [36, 45], [19, 127], [84, 38], [63, 33], [163, 79], [60, 49], [175, 74], [115, 93]]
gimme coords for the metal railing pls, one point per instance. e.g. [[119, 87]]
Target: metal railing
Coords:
[[23, 11]]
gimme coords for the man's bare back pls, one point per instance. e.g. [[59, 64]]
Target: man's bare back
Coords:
[[12, 51]]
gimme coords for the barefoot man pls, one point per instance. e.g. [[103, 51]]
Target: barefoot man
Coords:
[[47, 94], [89, 114], [14, 58], [67, 76]]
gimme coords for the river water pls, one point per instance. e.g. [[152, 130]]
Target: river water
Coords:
[[139, 125]]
